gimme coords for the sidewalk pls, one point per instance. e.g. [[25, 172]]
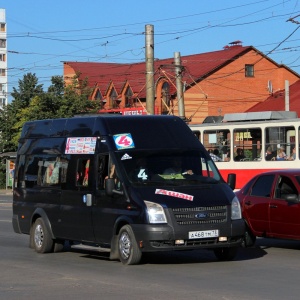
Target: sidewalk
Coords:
[[4, 191]]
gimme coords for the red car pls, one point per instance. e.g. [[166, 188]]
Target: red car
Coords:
[[270, 205]]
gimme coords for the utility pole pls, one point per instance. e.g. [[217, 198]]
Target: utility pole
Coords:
[[179, 87], [149, 34], [287, 95]]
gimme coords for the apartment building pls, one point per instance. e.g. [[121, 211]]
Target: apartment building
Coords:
[[3, 60]]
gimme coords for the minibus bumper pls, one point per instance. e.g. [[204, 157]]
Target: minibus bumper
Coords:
[[164, 238]]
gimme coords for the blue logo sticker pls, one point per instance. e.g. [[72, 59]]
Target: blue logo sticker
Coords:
[[123, 141]]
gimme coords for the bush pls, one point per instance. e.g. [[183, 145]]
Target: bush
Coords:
[[2, 174]]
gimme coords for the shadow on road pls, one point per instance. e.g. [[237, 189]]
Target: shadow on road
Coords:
[[266, 243], [192, 256], [175, 257]]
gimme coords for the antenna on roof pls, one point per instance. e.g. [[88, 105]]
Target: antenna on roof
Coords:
[[236, 43], [270, 87]]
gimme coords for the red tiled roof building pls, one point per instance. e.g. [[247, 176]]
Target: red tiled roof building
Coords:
[[234, 79]]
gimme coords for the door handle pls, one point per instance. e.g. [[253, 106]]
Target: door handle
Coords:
[[248, 203], [273, 206]]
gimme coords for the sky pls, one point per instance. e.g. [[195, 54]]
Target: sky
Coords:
[[41, 35]]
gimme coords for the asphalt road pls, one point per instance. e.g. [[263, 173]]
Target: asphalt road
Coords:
[[270, 270]]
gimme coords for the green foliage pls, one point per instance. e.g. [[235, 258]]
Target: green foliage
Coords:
[[31, 102], [28, 88], [2, 174]]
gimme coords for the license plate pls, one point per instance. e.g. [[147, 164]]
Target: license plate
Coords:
[[203, 234]]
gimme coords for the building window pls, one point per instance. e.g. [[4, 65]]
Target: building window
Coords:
[[113, 99], [249, 70], [165, 97], [128, 97], [2, 102], [2, 43], [2, 72], [2, 27], [99, 97], [2, 57]]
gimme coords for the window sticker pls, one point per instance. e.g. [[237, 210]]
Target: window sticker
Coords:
[[174, 194], [142, 174], [81, 145], [126, 156], [124, 141]]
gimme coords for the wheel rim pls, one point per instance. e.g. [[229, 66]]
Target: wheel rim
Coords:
[[125, 245], [38, 236]]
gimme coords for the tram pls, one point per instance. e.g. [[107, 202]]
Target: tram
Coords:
[[250, 143]]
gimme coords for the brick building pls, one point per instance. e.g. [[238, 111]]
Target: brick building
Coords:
[[277, 101], [234, 79]]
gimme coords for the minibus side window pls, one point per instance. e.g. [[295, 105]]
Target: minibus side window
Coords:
[[112, 173], [82, 173], [102, 171], [107, 169], [41, 170]]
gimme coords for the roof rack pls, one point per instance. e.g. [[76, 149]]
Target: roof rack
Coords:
[[260, 116]]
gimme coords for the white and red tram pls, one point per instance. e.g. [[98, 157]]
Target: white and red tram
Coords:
[[253, 133]]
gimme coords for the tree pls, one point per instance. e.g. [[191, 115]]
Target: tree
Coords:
[[32, 103], [28, 88], [57, 87], [76, 99]]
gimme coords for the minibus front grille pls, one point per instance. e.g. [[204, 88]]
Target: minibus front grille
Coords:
[[200, 215]]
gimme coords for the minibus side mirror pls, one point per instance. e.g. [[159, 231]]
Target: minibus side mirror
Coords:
[[110, 185], [231, 179]]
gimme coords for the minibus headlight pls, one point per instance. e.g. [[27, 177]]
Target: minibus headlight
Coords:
[[155, 213], [236, 213]]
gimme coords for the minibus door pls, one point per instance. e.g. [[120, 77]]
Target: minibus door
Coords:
[[107, 208], [76, 203]]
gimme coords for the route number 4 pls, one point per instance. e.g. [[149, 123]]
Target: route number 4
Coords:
[[142, 174]]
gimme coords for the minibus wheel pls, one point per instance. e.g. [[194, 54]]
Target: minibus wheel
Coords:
[[41, 238], [129, 252], [226, 253]]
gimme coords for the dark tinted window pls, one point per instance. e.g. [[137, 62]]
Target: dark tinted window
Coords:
[[262, 187], [285, 187], [41, 171], [248, 186]]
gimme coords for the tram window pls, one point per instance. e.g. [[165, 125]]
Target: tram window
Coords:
[[218, 142], [280, 140], [247, 144]]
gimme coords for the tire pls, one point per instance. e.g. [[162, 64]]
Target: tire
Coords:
[[129, 252], [41, 238], [31, 238], [226, 254], [249, 238]]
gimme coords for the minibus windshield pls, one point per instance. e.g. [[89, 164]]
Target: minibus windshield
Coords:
[[172, 167]]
